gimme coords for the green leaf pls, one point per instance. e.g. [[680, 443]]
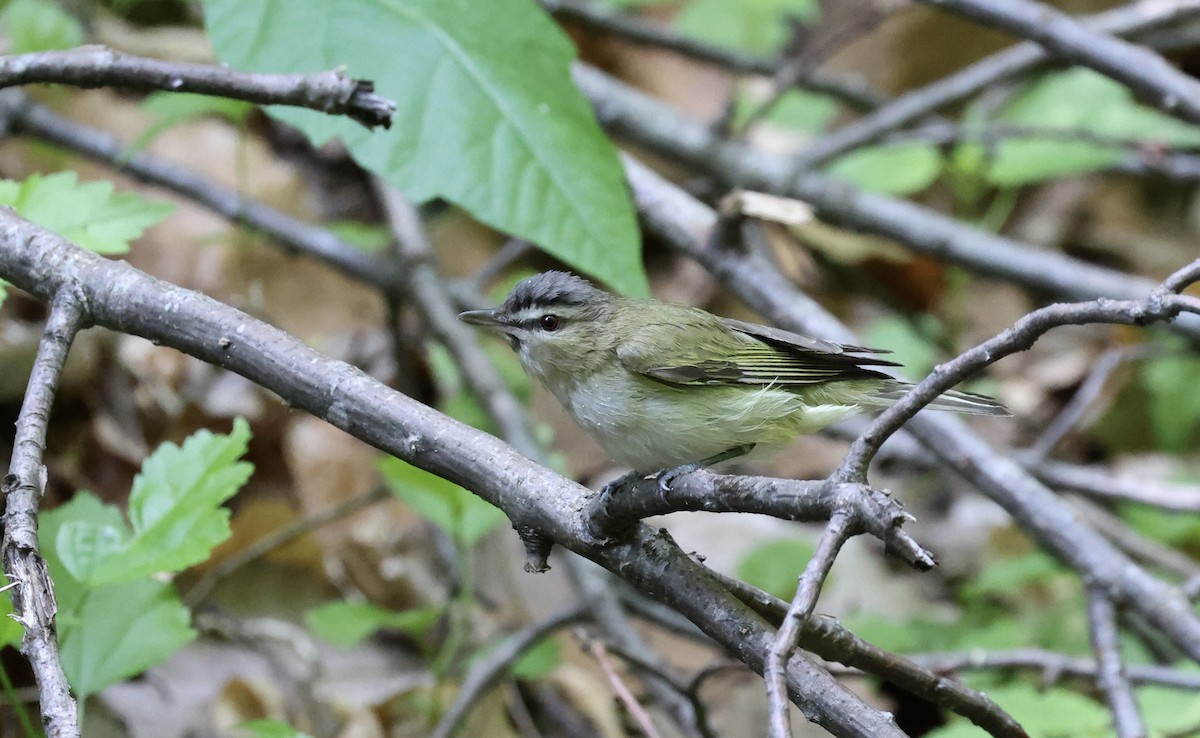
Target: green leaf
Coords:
[[172, 108], [37, 25], [271, 729], [11, 632], [487, 114], [753, 25], [1174, 404], [122, 630], [1078, 99], [462, 515], [894, 169], [88, 214], [1170, 711], [538, 660], [346, 624], [774, 566], [909, 346], [175, 505], [364, 236], [801, 110], [59, 548], [1051, 713], [1005, 576]]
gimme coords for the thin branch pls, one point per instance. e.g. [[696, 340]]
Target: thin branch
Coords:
[[874, 511], [34, 606], [329, 92], [630, 113], [1161, 304], [1080, 402], [1135, 544], [1053, 666], [1110, 674], [1149, 75], [1104, 484], [22, 115], [839, 530], [485, 672], [595, 648], [122, 298], [828, 639], [971, 80], [594, 16], [299, 527]]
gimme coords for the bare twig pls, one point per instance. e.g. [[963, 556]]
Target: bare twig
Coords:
[[1104, 484], [874, 511], [1110, 673], [299, 527], [34, 606], [971, 80], [826, 638], [597, 650], [1140, 69], [96, 66], [487, 671], [1053, 666], [1083, 398], [1135, 544], [855, 93], [838, 531]]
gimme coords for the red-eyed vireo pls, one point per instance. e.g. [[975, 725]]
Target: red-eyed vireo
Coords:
[[665, 386]]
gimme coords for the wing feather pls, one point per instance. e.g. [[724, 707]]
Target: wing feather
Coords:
[[721, 351]]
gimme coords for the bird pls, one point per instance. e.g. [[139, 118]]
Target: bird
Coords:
[[666, 388]]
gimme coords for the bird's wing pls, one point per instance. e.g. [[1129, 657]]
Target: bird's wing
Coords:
[[728, 352]]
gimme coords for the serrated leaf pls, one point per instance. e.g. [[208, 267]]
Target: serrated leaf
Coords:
[[346, 624], [37, 25], [175, 507], [462, 515], [893, 169], [172, 108], [89, 214], [121, 630], [487, 114], [753, 25], [774, 566]]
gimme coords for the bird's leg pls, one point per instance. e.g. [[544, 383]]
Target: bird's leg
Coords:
[[668, 476]]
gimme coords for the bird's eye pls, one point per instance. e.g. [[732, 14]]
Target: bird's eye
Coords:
[[550, 322]]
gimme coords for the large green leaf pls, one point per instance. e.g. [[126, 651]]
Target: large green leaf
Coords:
[[487, 114], [36, 25]]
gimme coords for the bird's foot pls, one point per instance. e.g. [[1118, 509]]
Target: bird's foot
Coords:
[[624, 480], [667, 477]]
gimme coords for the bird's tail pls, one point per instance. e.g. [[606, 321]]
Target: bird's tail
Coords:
[[967, 403]]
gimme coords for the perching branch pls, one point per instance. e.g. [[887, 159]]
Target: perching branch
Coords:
[[122, 298], [329, 92], [34, 606]]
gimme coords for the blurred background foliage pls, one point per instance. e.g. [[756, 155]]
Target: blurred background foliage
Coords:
[[365, 625]]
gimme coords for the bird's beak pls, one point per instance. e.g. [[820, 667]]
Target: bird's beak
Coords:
[[485, 318]]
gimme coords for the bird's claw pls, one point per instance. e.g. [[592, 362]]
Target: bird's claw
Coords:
[[667, 477]]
